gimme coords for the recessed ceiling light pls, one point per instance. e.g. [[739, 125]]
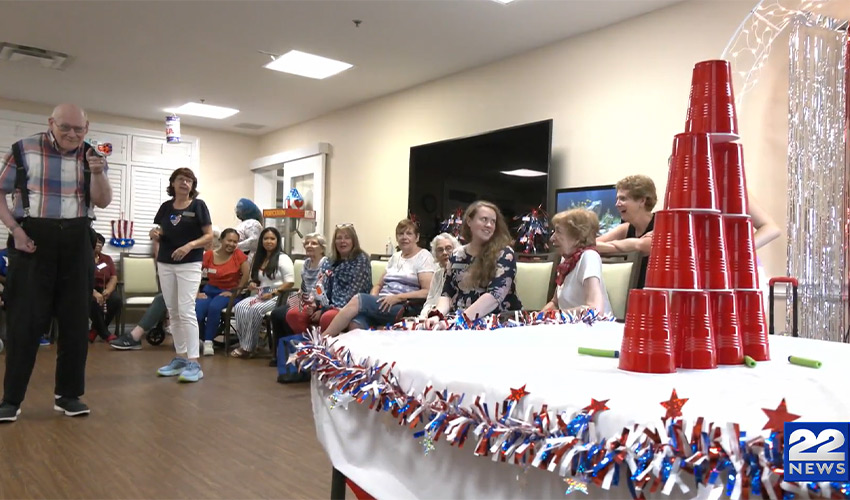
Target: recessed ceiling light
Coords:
[[524, 172], [503, 2], [204, 110], [309, 65]]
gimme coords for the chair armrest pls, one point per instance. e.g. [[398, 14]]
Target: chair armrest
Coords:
[[284, 295]]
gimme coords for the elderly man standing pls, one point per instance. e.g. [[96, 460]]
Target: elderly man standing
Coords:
[[56, 178]]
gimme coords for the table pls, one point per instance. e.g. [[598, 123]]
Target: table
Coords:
[[381, 456]]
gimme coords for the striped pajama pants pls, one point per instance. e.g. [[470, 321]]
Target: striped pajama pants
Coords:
[[249, 318]]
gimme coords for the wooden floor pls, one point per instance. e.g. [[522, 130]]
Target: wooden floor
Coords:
[[236, 434]]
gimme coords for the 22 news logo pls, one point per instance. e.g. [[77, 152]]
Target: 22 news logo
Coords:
[[817, 451]]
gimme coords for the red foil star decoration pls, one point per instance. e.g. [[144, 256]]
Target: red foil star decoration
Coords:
[[517, 394], [776, 418], [596, 406], [674, 405]]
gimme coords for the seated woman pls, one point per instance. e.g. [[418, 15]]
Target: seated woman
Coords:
[[250, 226], [442, 247], [636, 197], [347, 273], [480, 276], [579, 277], [408, 276], [105, 302], [315, 248], [226, 268], [272, 273]]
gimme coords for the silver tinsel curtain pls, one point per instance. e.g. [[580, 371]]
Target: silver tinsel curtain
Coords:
[[818, 176]]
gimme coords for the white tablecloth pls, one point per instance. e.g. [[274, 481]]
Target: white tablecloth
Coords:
[[385, 460]]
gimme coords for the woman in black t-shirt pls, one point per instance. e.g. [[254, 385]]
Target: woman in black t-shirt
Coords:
[[636, 197], [183, 230]]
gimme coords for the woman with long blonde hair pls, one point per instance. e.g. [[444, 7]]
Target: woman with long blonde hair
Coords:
[[480, 275]]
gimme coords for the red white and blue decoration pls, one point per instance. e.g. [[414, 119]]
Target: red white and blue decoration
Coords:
[[122, 233], [294, 199], [704, 460], [533, 232], [172, 129], [453, 224]]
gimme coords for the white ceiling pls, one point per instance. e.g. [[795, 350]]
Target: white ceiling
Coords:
[[134, 58]]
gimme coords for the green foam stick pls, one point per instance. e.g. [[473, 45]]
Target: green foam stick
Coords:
[[602, 353], [811, 363], [750, 362]]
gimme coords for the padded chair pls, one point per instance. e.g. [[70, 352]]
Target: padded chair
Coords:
[[379, 266], [620, 273], [138, 283], [532, 271]]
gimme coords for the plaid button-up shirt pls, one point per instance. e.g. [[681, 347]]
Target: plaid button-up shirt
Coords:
[[55, 180]]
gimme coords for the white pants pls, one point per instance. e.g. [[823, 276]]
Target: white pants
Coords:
[[179, 284]]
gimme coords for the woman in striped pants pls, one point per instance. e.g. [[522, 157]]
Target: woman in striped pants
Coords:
[[272, 272]]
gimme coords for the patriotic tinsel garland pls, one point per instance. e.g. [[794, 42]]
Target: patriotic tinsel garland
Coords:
[[711, 458]]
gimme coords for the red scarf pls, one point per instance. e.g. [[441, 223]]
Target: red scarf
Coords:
[[569, 263]]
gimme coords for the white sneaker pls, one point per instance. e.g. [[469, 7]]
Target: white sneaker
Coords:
[[208, 348]]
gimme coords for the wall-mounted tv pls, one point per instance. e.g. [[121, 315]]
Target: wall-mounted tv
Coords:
[[449, 175], [600, 199]]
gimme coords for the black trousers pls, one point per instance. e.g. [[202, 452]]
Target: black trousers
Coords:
[[280, 328], [101, 320], [54, 281]]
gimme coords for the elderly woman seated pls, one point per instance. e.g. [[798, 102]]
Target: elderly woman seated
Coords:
[[480, 275], [442, 247], [408, 276], [579, 277]]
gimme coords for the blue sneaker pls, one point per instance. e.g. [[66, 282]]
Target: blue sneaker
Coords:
[[174, 368], [44, 342], [192, 372]]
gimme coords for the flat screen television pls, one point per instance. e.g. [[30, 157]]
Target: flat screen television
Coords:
[[600, 199], [449, 175]]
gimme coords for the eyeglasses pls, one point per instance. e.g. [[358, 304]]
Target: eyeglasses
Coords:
[[64, 127], [344, 225], [445, 249]]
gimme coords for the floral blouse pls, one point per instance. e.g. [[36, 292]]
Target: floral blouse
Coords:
[[502, 286], [344, 279]]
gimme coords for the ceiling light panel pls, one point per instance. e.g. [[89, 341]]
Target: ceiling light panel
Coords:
[[308, 65], [203, 110]]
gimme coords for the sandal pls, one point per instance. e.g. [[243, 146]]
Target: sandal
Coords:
[[239, 353]]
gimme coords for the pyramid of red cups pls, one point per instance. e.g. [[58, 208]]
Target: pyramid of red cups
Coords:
[[701, 306]]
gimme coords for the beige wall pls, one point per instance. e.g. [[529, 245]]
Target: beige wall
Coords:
[[617, 97], [224, 176]]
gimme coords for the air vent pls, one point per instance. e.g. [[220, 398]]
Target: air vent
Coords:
[[249, 126], [22, 53]]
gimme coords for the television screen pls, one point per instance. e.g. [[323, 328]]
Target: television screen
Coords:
[[509, 167], [600, 199]]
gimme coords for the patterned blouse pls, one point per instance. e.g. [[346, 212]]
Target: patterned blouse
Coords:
[[502, 286], [346, 278]]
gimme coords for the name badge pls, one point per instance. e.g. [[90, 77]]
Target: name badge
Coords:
[[188, 214], [102, 265], [212, 271]]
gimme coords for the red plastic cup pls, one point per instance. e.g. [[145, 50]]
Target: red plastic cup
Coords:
[[724, 318], [751, 324], [711, 108], [730, 178], [646, 345], [690, 181], [690, 322], [710, 239], [672, 257], [741, 252]]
